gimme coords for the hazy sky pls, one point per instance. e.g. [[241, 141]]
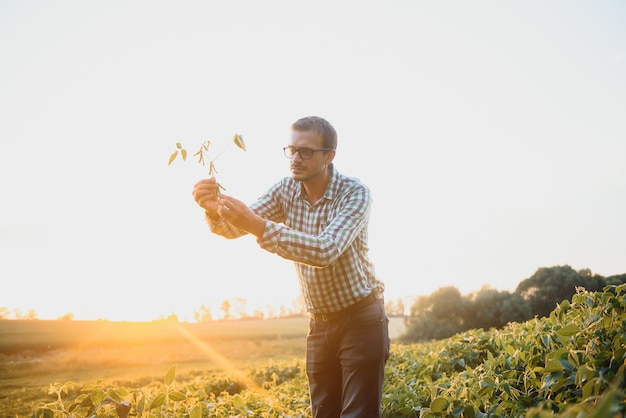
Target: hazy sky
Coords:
[[492, 134]]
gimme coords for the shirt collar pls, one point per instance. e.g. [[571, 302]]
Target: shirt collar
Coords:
[[331, 190]]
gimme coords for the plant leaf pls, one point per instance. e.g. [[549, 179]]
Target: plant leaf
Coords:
[[553, 366], [141, 405], [177, 396], [239, 141], [157, 401], [239, 403], [169, 377], [200, 155], [196, 411], [439, 405], [183, 153], [568, 330], [114, 395], [172, 157]]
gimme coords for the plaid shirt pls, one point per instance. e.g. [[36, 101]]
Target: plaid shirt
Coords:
[[327, 240]]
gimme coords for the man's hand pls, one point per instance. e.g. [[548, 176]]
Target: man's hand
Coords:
[[205, 193], [238, 214]]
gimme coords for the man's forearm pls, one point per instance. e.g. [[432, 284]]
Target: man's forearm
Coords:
[[255, 225]]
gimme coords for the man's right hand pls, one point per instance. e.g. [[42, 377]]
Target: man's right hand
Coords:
[[205, 193]]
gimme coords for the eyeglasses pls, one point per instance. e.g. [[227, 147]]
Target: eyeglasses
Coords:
[[305, 153]]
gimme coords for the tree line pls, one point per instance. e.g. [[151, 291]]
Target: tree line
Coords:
[[446, 312]]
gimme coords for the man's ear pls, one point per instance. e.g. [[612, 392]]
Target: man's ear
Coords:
[[330, 157]]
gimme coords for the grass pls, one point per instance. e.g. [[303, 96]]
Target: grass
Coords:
[[35, 354]]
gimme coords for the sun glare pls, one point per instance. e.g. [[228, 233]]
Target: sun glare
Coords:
[[214, 356]]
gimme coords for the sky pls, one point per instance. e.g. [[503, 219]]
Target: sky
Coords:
[[492, 135]]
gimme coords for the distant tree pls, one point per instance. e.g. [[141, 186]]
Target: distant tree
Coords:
[[491, 308], [170, 318], [515, 309], [203, 314], [298, 307], [440, 315], [395, 308], [225, 307], [31, 314], [4, 312], [552, 285], [271, 311], [615, 280], [258, 314], [483, 309], [67, 317], [239, 308]]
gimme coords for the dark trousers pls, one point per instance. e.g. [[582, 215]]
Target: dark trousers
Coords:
[[345, 362]]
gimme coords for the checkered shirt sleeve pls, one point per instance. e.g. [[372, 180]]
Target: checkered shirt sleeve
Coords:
[[327, 240]]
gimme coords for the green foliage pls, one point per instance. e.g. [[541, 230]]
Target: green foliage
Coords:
[[445, 312], [570, 364], [276, 391]]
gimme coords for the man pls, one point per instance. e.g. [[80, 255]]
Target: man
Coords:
[[318, 218]]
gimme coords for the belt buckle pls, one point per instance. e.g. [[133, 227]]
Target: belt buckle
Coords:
[[325, 317]]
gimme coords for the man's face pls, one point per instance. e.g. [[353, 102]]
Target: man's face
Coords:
[[304, 169]]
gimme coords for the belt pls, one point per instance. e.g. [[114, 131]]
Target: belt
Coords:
[[333, 316]]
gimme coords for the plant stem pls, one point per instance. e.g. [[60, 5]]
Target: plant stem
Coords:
[[221, 152]]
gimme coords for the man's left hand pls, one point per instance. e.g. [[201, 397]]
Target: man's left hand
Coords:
[[239, 215]]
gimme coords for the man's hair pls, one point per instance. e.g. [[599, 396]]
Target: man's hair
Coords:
[[319, 125]]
